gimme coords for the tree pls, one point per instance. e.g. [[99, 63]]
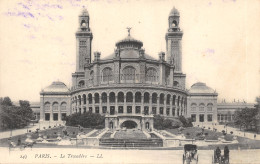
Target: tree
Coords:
[[6, 101], [246, 117], [86, 120], [186, 122], [14, 116]]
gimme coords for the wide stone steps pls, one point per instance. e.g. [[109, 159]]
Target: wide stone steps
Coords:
[[131, 142]]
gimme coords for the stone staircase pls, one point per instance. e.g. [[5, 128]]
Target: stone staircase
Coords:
[[111, 142]]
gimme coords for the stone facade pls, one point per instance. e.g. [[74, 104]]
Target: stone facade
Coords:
[[129, 85], [202, 104], [55, 103]]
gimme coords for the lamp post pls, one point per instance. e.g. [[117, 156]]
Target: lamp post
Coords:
[[226, 127]]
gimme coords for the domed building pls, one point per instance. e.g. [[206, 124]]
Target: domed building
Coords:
[[202, 104], [55, 103], [128, 86]]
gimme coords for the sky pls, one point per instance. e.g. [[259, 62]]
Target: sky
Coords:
[[220, 45]]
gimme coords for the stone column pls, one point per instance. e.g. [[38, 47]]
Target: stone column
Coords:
[[100, 104], [87, 103], [125, 109], [108, 104], [150, 105], [51, 113], [81, 102], [165, 105], [158, 104], [59, 115], [93, 104], [142, 104], [171, 106], [133, 106], [116, 105]]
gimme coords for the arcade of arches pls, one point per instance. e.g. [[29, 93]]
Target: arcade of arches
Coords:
[[141, 105]]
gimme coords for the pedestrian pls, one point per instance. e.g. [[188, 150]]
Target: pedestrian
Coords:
[[218, 153], [254, 136], [19, 141], [226, 152]]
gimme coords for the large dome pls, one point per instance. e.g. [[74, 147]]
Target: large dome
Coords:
[[56, 87], [201, 88], [129, 48], [128, 40]]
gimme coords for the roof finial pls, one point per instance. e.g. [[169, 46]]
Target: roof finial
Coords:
[[129, 30]]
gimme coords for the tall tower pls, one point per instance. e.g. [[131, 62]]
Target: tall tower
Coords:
[[83, 41], [174, 40]]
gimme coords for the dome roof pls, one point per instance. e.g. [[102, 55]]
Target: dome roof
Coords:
[[174, 12], [201, 88], [129, 39], [56, 87], [84, 12], [129, 48]]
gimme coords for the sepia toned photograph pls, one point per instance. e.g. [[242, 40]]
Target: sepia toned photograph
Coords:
[[130, 81]]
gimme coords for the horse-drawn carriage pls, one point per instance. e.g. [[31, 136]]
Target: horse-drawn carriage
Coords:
[[190, 154], [217, 158]]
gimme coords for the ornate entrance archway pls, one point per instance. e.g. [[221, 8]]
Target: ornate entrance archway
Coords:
[[129, 124]]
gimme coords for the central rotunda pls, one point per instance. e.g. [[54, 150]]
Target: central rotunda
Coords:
[[129, 86]]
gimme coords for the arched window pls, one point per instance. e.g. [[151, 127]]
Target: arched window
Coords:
[[161, 98], [84, 99], [209, 107], [112, 97], [47, 106], [79, 100], [146, 97], [63, 106], [107, 75], [193, 106], [81, 83], [96, 98], [174, 23], [104, 97], [154, 98], [90, 98], [201, 107], [129, 97], [128, 73], [91, 77], [151, 75], [175, 83], [55, 106], [120, 97], [138, 97], [178, 101]]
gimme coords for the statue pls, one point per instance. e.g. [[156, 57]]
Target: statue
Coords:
[[129, 30]]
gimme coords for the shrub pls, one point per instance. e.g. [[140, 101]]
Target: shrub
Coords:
[[187, 134], [231, 132], [206, 134]]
